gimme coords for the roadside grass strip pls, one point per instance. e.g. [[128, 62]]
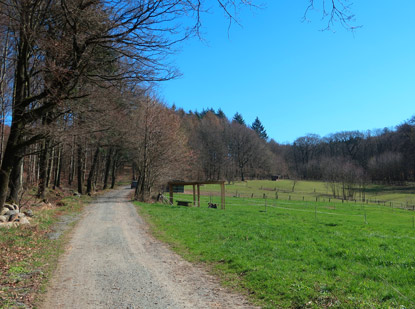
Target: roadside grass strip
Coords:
[[28, 254], [297, 254]]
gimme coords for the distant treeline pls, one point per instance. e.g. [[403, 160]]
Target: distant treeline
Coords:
[[228, 149], [231, 149], [382, 155]]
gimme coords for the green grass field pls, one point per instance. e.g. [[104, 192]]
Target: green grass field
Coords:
[[309, 190], [298, 254]]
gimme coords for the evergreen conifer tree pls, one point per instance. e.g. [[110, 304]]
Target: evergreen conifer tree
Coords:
[[259, 129], [238, 118], [220, 114]]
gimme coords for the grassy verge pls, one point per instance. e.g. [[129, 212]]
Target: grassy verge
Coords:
[[28, 254], [295, 254]]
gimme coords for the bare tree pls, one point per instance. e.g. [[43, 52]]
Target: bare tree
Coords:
[[343, 176], [212, 146], [244, 147], [304, 150], [386, 167], [159, 148]]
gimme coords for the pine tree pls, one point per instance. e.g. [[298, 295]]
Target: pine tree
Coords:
[[259, 129], [220, 114], [238, 118]]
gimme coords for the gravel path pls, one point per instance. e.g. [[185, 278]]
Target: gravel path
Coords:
[[113, 262]]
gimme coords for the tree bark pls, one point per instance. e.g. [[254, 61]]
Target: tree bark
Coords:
[[80, 169], [134, 170], [15, 184], [57, 177], [20, 84], [97, 173], [72, 165], [114, 170], [92, 172], [2, 94], [107, 167], [50, 166], [43, 169]]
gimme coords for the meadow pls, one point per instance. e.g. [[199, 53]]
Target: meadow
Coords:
[[290, 254], [398, 196]]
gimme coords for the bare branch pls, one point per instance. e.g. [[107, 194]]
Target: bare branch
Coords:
[[334, 12]]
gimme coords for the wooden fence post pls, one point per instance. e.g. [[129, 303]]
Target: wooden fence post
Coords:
[[194, 195], [171, 193], [222, 193], [198, 195]]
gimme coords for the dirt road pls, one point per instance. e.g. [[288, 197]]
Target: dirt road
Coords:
[[113, 262]]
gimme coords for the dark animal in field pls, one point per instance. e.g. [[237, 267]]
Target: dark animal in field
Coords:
[[211, 205], [183, 203]]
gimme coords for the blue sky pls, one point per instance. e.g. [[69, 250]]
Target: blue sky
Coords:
[[298, 79]]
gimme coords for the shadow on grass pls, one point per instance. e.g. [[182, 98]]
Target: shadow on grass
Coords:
[[382, 189]]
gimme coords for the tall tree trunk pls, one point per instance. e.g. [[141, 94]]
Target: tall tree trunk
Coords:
[[37, 166], [30, 176], [107, 167], [97, 172], [92, 172], [80, 169], [72, 165], [142, 187], [50, 166], [142, 178], [139, 187], [114, 170], [6, 169], [3, 119], [17, 126], [2, 93], [85, 161], [15, 184], [57, 177], [134, 170], [43, 169]]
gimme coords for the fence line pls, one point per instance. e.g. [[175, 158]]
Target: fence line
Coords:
[[264, 197], [362, 208], [322, 198]]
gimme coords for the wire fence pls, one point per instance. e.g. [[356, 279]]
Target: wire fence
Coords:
[[365, 213], [319, 197]]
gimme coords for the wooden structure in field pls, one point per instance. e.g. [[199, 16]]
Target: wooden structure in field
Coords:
[[196, 190]]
